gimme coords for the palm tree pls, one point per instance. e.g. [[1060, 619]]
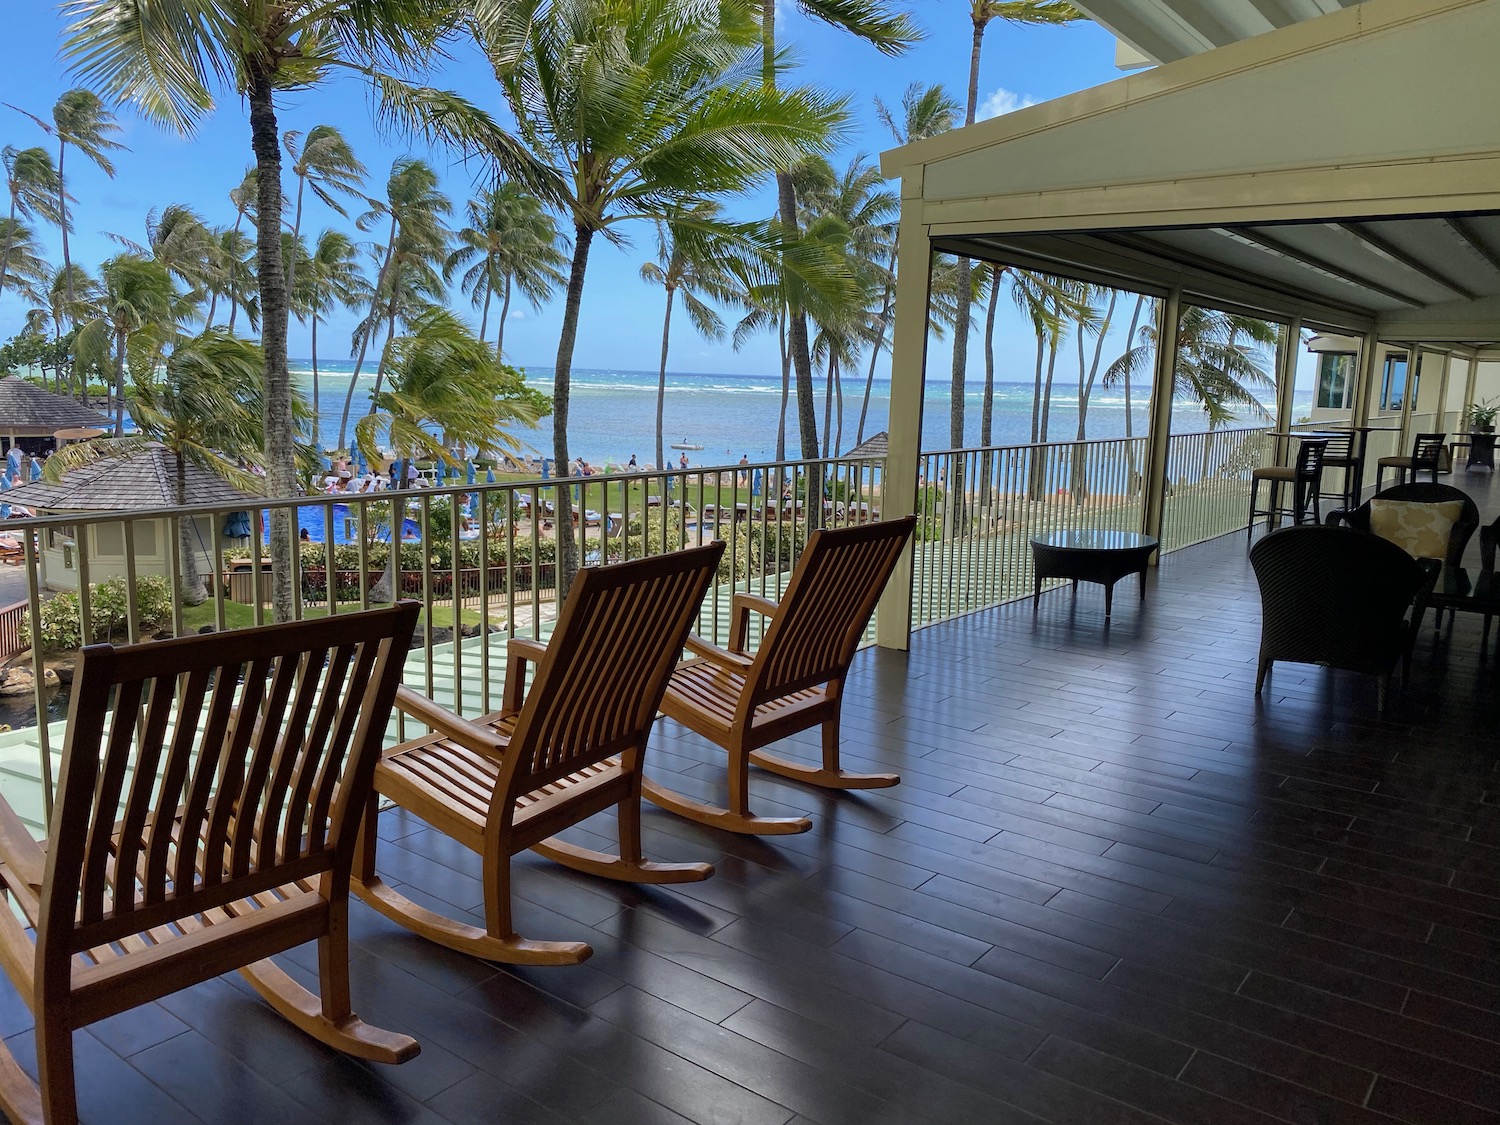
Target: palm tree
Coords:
[[61, 311], [325, 162], [31, 181], [511, 242], [79, 119], [22, 266], [415, 243], [891, 33], [691, 260], [632, 108], [135, 302], [178, 239], [925, 112], [1220, 359], [981, 14], [167, 64], [204, 406], [442, 378], [333, 280], [232, 276]]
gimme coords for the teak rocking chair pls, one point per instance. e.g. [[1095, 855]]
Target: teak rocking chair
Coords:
[[550, 757], [794, 680], [207, 814]]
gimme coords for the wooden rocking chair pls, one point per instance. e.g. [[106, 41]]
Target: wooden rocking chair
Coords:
[[550, 757], [206, 818], [794, 680]]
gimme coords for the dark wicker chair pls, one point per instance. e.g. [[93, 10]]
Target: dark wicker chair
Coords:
[[1336, 597], [1419, 493]]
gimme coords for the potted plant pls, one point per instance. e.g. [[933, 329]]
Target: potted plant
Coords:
[[1482, 416]]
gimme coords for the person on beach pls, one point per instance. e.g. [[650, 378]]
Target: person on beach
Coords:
[[682, 462], [744, 473], [632, 466]]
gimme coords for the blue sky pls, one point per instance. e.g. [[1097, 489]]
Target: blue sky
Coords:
[[621, 321]]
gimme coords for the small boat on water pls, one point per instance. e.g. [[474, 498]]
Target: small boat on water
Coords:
[[685, 444]]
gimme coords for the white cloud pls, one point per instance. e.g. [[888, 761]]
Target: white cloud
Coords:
[[1002, 101], [517, 314]]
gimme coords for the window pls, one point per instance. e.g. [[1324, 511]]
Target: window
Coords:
[[1335, 380], [1393, 386]]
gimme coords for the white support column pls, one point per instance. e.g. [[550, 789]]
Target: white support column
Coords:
[[1286, 382], [908, 375], [1364, 387], [1157, 441]]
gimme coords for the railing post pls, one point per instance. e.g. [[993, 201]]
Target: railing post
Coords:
[[1158, 440], [898, 485]]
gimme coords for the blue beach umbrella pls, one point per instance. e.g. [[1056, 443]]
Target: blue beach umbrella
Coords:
[[5, 483], [469, 473], [489, 475], [36, 470], [4, 510], [359, 461], [237, 525], [755, 483]]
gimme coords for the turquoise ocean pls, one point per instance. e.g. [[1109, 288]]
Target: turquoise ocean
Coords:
[[613, 413]]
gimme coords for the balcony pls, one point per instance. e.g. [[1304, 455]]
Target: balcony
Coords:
[[1112, 884]]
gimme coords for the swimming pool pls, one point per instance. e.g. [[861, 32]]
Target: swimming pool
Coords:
[[312, 519]]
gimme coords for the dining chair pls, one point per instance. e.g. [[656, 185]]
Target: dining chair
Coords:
[[1305, 476], [1427, 453]]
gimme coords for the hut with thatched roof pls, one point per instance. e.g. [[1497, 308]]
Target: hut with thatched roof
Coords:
[[146, 481], [30, 416]]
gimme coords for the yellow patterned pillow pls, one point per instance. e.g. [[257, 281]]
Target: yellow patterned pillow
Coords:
[[1422, 530]]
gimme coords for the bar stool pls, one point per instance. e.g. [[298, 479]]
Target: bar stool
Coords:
[[1306, 479], [1426, 453], [1340, 454]]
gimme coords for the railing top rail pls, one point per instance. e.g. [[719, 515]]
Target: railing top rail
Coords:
[[1086, 441], [78, 517]]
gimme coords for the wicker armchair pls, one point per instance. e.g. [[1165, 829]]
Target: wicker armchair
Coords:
[[1419, 493], [1336, 597]]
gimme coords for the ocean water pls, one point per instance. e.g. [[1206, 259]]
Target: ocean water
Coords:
[[613, 413]]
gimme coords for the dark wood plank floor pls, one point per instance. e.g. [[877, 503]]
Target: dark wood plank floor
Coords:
[[1113, 889]]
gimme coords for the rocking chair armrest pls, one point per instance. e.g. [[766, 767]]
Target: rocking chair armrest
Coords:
[[519, 651], [471, 735], [18, 848], [733, 661], [739, 620]]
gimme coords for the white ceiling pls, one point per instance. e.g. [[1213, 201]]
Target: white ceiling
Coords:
[[1167, 30]]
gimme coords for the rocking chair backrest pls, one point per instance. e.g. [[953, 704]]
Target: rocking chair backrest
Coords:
[[201, 771], [597, 690], [827, 604]]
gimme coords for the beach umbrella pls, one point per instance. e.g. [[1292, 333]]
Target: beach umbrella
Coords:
[[5, 483], [36, 469], [469, 473], [4, 510], [755, 483], [359, 460], [489, 475], [237, 525]]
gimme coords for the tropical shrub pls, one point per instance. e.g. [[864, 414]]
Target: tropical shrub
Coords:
[[62, 624]]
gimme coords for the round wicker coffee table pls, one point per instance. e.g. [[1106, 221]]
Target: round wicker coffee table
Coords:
[[1091, 556]]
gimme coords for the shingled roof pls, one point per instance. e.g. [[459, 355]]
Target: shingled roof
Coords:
[[875, 446], [146, 480], [27, 410]]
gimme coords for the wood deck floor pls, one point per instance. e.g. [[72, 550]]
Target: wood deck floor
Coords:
[[1112, 889]]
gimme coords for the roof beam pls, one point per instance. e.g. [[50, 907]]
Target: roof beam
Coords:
[[1469, 238], [1402, 258], [1282, 250]]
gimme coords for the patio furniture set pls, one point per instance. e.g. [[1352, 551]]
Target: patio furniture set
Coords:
[[218, 796]]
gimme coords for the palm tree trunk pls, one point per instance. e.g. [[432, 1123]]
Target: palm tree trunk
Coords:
[[838, 390], [661, 378], [1129, 425], [364, 344], [192, 580], [385, 354], [885, 316], [280, 432], [9, 238], [317, 397], [986, 429], [1047, 387], [119, 383], [962, 278], [562, 373], [291, 266], [1036, 386], [504, 316], [62, 218], [786, 386], [484, 317], [827, 404]]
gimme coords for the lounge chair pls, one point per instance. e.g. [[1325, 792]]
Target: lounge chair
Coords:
[[793, 681], [1337, 597], [550, 757], [1420, 492], [206, 817]]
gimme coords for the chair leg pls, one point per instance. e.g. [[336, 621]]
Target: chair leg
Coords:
[[1260, 674], [1254, 496], [831, 776], [1382, 685], [54, 1064], [745, 822], [21, 1101]]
